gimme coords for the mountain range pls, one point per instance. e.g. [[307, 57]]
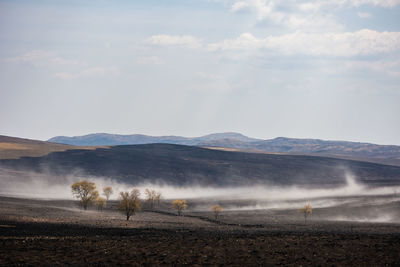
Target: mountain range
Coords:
[[387, 154], [104, 139]]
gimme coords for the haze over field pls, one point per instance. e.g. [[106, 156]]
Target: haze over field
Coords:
[[265, 68], [189, 172], [41, 185], [352, 201]]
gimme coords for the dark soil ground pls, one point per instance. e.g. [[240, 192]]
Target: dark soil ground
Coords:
[[48, 233]]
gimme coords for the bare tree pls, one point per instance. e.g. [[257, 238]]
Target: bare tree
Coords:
[[129, 202], [101, 203], [107, 191], [217, 210], [307, 210], [85, 191], [179, 205]]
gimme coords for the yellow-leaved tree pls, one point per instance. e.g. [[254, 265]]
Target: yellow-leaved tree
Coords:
[[307, 210], [152, 197], [179, 205], [129, 202], [85, 191], [101, 203], [217, 210]]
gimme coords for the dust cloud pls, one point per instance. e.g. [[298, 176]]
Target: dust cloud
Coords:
[[42, 185], [351, 202]]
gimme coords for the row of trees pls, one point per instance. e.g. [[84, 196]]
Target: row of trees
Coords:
[[87, 193], [130, 202], [153, 197]]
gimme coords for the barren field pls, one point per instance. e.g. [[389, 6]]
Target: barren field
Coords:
[[49, 232]]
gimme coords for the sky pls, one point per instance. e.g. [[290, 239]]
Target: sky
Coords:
[[327, 69]]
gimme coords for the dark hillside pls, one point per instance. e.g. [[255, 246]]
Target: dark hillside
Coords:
[[189, 165]]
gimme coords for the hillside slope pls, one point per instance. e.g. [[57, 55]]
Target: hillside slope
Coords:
[[189, 165], [14, 148]]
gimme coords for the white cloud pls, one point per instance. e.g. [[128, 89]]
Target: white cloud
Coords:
[[311, 16], [174, 40], [363, 42], [265, 8], [293, 18], [243, 42], [310, 6], [315, 5], [62, 61], [312, 23], [33, 56], [262, 8], [89, 72], [43, 57]]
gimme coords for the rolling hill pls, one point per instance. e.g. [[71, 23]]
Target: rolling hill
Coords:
[[190, 165], [14, 148]]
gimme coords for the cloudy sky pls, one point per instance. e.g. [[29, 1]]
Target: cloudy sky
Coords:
[[326, 69]]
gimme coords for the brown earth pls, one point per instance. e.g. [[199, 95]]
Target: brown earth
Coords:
[[49, 232], [15, 148]]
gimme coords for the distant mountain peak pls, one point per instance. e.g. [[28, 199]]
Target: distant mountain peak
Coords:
[[101, 139], [227, 135]]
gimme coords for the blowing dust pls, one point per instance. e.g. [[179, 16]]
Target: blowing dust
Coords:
[[352, 194]]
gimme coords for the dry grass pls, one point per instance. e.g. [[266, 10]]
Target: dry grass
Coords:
[[13, 150], [223, 148]]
